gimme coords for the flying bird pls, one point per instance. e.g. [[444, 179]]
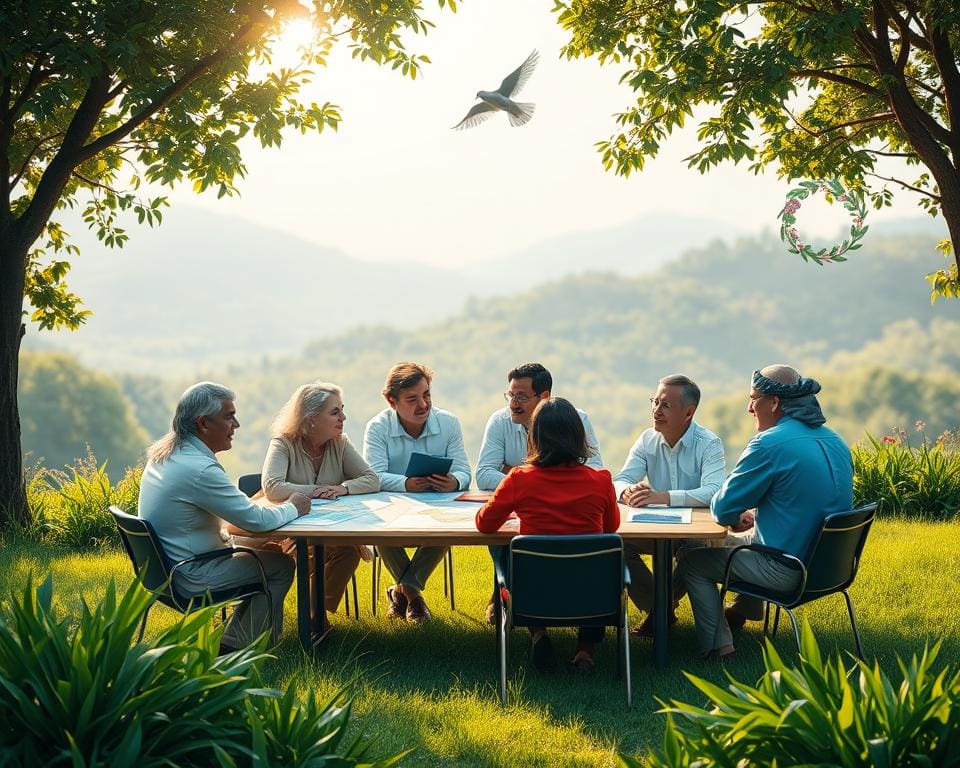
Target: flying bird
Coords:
[[492, 101]]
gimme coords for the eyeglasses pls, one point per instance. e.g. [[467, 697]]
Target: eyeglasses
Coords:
[[755, 398], [519, 397], [662, 404]]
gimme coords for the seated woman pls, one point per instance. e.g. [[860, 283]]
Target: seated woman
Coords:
[[310, 454], [554, 492]]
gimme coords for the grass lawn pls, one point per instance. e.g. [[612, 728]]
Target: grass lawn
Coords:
[[433, 688]]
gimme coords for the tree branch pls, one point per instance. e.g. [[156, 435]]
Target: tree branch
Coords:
[[904, 184], [944, 56], [820, 74], [26, 162], [34, 79], [175, 89]]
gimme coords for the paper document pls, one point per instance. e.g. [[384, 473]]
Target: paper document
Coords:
[[675, 515], [328, 512]]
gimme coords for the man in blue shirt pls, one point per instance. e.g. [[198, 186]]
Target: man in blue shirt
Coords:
[[677, 462], [794, 472], [411, 424]]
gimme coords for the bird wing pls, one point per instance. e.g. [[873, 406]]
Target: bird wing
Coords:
[[477, 114], [514, 82]]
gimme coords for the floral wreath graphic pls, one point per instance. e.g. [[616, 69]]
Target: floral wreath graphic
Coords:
[[852, 201]]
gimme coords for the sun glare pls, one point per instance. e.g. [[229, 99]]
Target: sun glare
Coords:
[[296, 38]]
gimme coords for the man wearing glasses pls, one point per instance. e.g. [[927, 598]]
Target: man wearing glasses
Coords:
[[678, 463], [504, 443]]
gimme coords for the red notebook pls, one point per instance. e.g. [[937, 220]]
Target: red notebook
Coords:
[[477, 496]]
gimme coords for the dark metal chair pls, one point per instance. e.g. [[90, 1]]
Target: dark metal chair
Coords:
[[563, 581], [156, 569], [251, 485], [829, 566]]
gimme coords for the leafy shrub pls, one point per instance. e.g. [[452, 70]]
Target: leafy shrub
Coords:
[[818, 714], [922, 482], [72, 509], [88, 696]]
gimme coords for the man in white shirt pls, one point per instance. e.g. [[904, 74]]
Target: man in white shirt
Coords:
[[504, 443], [678, 463], [187, 497], [411, 424]]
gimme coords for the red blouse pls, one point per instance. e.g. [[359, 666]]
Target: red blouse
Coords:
[[553, 500]]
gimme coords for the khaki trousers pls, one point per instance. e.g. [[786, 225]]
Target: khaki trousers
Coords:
[[704, 568], [412, 571], [250, 618], [339, 563]]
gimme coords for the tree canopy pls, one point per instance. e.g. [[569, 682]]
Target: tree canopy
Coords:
[[813, 88], [97, 99]]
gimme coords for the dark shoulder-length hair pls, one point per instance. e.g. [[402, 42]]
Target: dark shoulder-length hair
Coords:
[[556, 435]]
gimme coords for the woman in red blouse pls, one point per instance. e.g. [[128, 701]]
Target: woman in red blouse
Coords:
[[555, 493]]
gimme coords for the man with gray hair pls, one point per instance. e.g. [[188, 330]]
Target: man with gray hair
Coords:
[[679, 463], [187, 497], [794, 472]]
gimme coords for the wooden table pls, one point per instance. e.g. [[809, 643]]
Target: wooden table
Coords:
[[411, 520]]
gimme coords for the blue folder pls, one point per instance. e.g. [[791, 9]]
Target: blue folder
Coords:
[[422, 464]]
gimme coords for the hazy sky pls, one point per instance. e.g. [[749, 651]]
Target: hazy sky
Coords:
[[397, 183]]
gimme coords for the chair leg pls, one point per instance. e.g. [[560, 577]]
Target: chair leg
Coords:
[[374, 581], [776, 621], [502, 647], [143, 624], [853, 624], [449, 569], [356, 602], [766, 619], [625, 633]]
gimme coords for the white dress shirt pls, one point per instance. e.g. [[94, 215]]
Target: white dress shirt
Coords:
[[387, 447], [188, 497], [505, 442], [692, 471]]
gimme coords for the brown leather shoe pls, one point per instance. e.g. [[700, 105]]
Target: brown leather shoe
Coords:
[[734, 618], [646, 626], [417, 611], [396, 604]]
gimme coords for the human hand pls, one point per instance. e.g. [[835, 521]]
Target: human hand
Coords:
[[641, 494], [417, 484], [301, 502], [328, 491], [444, 483], [505, 468], [745, 523]]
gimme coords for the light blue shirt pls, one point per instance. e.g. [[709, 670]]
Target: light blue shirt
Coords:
[[794, 475], [387, 446], [691, 472], [188, 497], [505, 442]]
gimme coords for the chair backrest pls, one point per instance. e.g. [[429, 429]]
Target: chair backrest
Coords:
[[249, 484], [835, 554], [577, 579], [150, 561]]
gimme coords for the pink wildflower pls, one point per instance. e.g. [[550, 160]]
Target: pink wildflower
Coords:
[[889, 440], [920, 425], [792, 206]]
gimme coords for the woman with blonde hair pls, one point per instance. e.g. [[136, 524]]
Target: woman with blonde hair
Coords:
[[310, 454]]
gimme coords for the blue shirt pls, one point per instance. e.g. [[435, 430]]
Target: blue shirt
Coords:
[[387, 447], [795, 476], [691, 471], [505, 442]]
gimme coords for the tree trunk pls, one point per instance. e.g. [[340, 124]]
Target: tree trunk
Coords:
[[13, 499]]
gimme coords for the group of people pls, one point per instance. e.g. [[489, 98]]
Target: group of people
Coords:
[[541, 458]]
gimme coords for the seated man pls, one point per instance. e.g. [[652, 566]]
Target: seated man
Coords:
[[677, 462], [504, 443], [795, 472], [187, 497], [411, 424]]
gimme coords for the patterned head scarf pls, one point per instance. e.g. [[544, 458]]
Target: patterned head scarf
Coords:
[[799, 401]]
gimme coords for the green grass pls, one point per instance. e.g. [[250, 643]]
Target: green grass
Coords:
[[433, 688]]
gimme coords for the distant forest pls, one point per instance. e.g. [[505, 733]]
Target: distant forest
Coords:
[[886, 357]]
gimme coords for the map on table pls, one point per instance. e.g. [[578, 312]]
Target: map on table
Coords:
[[675, 515], [327, 512]]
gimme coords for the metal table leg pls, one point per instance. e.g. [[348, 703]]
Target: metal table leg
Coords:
[[318, 594], [303, 596], [662, 598]]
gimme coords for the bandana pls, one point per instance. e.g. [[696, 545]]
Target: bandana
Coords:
[[798, 400]]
